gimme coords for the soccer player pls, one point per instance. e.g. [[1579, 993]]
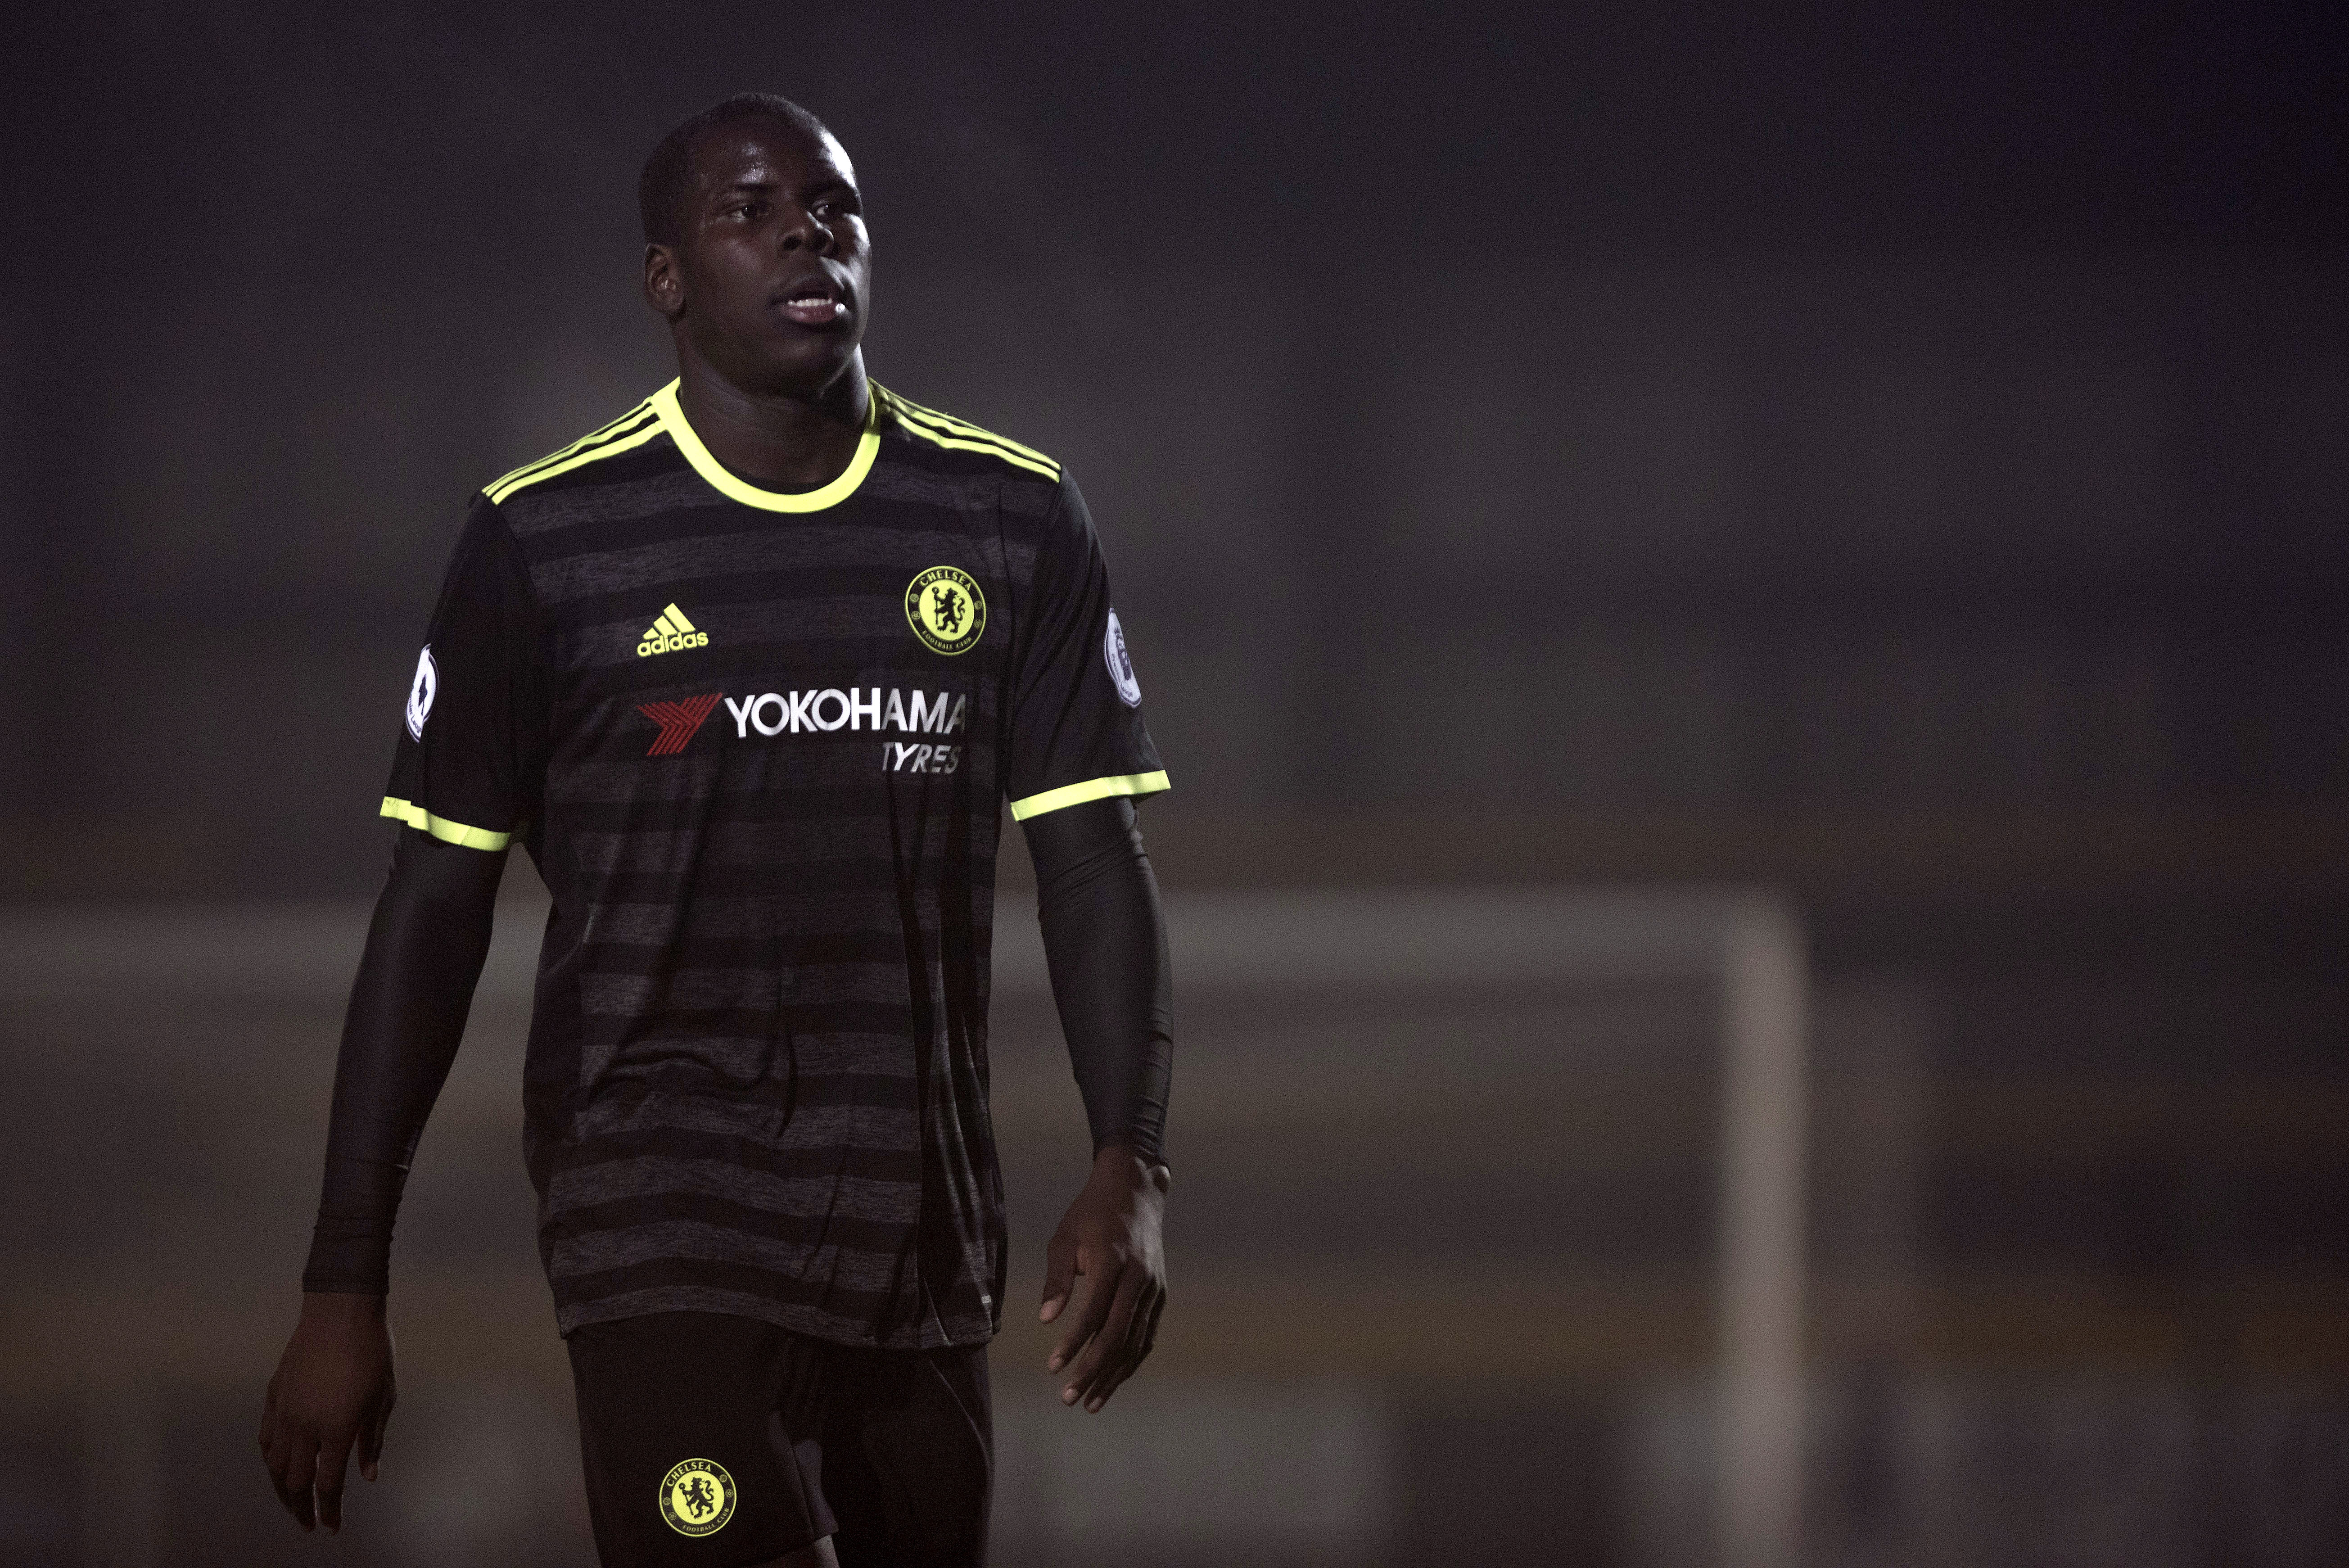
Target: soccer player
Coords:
[[747, 670]]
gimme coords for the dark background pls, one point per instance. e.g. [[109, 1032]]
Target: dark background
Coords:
[[1893, 455]]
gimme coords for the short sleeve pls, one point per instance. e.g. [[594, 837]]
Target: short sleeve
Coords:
[[471, 751], [1077, 731]]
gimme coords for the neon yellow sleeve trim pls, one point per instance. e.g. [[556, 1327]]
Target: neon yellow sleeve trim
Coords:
[[441, 827], [1091, 789]]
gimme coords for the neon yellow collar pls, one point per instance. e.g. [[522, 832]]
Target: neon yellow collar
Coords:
[[868, 445]]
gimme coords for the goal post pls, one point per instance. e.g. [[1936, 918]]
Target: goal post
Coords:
[[1748, 945]]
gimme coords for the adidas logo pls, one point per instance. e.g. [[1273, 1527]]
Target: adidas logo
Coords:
[[669, 634]]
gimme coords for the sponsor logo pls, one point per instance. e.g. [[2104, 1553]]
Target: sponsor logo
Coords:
[[905, 757], [865, 709], [1121, 663], [945, 610], [697, 1497], [679, 722], [670, 633], [421, 691], [831, 709]]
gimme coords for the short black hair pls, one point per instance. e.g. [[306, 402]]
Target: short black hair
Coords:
[[665, 186]]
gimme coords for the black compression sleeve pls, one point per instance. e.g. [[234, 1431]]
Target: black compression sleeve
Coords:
[[415, 986], [1105, 945]]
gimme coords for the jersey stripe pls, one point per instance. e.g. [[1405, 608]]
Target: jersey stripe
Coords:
[[610, 448], [627, 421], [990, 451], [1091, 789], [946, 431], [979, 441], [441, 827], [948, 423]]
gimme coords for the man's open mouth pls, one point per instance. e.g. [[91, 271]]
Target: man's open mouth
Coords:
[[814, 304]]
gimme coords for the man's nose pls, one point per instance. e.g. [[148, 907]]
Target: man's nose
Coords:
[[808, 232]]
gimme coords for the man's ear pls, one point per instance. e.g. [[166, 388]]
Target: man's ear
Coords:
[[664, 281]]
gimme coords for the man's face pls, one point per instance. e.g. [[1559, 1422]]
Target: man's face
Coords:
[[774, 277]]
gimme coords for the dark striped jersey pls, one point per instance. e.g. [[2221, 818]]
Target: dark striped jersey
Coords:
[[756, 743]]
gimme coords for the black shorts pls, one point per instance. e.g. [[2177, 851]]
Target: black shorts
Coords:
[[718, 1441]]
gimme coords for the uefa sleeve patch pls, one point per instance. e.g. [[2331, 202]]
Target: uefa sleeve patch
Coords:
[[420, 691], [1121, 663]]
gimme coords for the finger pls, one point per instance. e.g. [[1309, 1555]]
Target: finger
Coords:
[[371, 1439], [1114, 1374], [1060, 1277], [1109, 1383], [1145, 1328], [1123, 1347], [1127, 1358], [334, 1465], [1137, 1342], [280, 1460], [269, 1420], [1116, 1324], [299, 1475], [1145, 1320], [1157, 1310], [1099, 1294]]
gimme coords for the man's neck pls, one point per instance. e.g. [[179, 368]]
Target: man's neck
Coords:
[[790, 443]]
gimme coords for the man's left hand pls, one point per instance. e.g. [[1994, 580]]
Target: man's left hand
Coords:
[[1110, 1236]]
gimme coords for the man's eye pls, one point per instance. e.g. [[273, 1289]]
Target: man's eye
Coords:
[[750, 210]]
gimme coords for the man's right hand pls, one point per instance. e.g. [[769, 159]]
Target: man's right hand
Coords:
[[332, 1390]]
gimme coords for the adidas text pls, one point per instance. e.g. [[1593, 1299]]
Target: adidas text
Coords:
[[669, 634]]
